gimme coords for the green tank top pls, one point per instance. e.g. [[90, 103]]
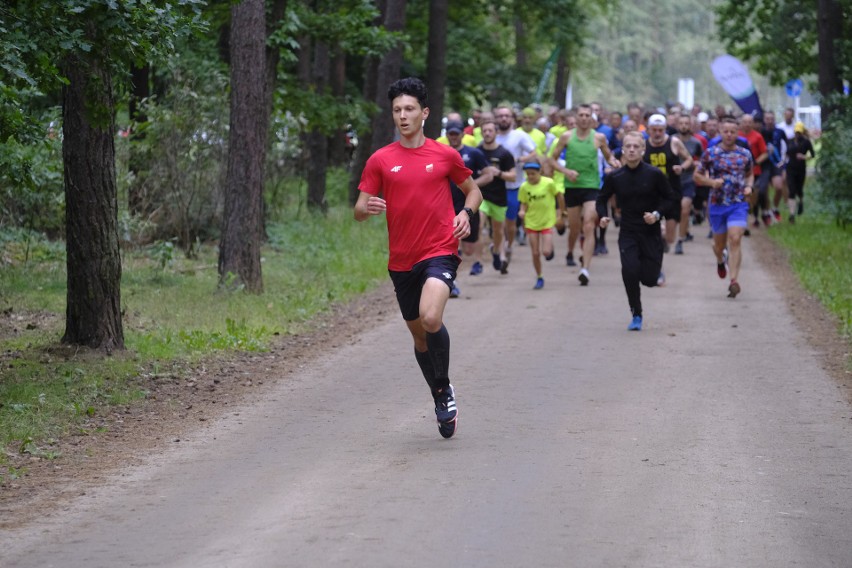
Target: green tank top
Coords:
[[582, 156]]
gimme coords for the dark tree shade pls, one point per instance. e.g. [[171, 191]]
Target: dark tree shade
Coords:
[[239, 249], [436, 65], [93, 312]]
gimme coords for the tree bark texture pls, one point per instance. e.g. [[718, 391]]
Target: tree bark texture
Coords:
[[93, 311], [436, 65], [242, 233], [317, 141], [829, 30], [380, 75]]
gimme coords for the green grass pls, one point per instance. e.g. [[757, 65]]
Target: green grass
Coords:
[[173, 311], [820, 253]]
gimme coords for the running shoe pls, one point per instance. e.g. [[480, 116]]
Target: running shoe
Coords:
[[689, 237], [710, 234], [504, 267], [495, 258], [454, 291], [733, 289], [767, 218], [549, 257], [722, 267], [756, 223], [445, 411], [476, 269], [569, 260], [635, 324], [777, 215], [661, 279], [583, 277], [604, 250], [800, 208], [679, 247], [539, 284], [747, 233]]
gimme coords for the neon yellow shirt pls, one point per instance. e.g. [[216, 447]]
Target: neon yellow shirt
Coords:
[[541, 205], [539, 138], [467, 140]]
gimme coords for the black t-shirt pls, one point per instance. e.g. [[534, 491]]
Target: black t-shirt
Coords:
[[798, 146], [664, 158], [638, 190], [495, 192], [475, 160]]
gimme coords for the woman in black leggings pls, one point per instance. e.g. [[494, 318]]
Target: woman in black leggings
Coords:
[[797, 153]]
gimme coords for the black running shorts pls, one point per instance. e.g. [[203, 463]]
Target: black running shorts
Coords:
[[408, 285]]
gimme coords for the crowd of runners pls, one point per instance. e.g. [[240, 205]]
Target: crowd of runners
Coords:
[[516, 176], [543, 170]]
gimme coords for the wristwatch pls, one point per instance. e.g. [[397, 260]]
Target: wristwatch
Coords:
[[657, 215], [469, 212]]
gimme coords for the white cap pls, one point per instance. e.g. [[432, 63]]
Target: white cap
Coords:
[[657, 120], [703, 116]]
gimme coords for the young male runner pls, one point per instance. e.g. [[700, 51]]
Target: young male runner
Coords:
[[727, 169], [643, 192], [413, 175], [582, 183]]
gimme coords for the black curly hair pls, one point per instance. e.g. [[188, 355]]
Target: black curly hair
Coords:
[[411, 86]]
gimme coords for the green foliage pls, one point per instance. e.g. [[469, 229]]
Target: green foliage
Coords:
[[31, 181], [181, 152], [834, 163], [821, 254], [780, 36]]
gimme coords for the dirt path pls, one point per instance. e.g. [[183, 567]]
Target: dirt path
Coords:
[[714, 437]]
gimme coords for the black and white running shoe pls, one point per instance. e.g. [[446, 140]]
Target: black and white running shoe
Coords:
[[445, 411]]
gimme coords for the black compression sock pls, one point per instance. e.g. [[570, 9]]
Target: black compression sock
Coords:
[[439, 351], [425, 362]]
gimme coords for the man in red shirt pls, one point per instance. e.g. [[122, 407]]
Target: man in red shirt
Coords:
[[757, 145], [413, 176]]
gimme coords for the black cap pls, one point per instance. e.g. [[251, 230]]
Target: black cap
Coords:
[[455, 127]]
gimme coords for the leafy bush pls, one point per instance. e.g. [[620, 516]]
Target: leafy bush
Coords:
[[834, 163], [181, 155], [32, 191]]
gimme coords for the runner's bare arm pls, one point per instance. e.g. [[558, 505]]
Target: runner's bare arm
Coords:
[[603, 146], [686, 161], [368, 205]]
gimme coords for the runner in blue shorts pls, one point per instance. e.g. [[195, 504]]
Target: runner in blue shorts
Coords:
[[727, 170]]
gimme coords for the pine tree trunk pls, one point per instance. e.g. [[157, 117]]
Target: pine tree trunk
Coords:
[[436, 65], [561, 81], [93, 312], [242, 233], [829, 31], [140, 90], [337, 144]]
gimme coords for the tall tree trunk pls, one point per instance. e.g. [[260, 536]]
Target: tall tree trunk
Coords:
[[561, 87], [317, 141], [365, 138], [140, 89], [337, 145], [239, 248], [273, 53], [93, 312], [386, 72], [436, 65], [829, 31], [520, 44]]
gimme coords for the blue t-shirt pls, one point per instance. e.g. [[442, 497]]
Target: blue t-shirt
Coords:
[[476, 161]]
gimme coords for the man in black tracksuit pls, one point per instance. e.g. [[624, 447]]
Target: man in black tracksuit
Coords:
[[641, 191]]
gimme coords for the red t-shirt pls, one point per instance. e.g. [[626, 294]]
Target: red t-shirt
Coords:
[[415, 183], [757, 145]]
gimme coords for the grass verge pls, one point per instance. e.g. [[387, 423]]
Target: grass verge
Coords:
[[820, 253], [174, 315]]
